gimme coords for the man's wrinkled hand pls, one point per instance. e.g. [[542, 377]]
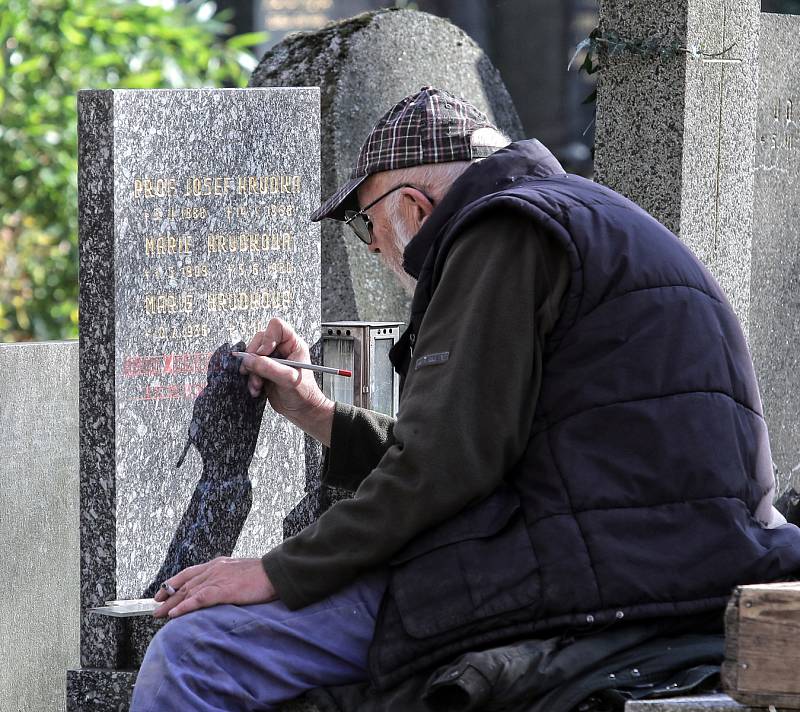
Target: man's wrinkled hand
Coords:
[[222, 580], [292, 393]]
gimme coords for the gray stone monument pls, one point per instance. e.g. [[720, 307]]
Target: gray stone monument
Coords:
[[712, 149], [194, 231], [775, 300], [39, 584], [364, 66], [674, 134]]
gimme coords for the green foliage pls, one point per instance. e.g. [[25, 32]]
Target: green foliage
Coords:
[[48, 50]]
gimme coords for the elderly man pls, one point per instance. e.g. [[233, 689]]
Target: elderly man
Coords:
[[579, 453]]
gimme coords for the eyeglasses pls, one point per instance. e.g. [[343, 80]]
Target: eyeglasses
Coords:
[[360, 222]]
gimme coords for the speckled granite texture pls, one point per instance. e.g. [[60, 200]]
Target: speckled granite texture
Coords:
[[705, 703], [194, 231], [775, 306], [364, 65], [39, 583], [676, 135], [90, 690]]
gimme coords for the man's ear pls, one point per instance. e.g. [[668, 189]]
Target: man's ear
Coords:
[[417, 207]]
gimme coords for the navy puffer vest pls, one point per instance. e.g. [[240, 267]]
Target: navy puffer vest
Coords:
[[636, 495]]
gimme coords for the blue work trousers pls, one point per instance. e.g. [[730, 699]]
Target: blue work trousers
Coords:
[[256, 657]]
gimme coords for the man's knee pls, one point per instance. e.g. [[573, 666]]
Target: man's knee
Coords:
[[170, 644]]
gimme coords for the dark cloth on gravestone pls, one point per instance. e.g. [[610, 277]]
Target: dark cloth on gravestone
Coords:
[[224, 429], [595, 672]]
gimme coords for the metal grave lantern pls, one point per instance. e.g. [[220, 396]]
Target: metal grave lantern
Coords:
[[363, 348]]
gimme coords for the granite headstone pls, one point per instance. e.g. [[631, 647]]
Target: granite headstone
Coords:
[[675, 133], [39, 585], [363, 66], [194, 231], [775, 301]]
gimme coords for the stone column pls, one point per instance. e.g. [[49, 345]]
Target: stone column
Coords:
[[677, 134]]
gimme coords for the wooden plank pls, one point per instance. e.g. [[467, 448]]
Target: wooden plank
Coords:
[[692, 703], [762, 651]]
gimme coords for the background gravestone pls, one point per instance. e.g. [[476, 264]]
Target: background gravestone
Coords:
[[775, 302], [676, 134], [194, 231], [39, 583], [364, 66], [713, 151]]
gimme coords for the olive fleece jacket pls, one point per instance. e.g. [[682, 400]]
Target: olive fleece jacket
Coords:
[[462, 423]]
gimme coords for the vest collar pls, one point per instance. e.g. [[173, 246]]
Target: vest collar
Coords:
[[528, 158]]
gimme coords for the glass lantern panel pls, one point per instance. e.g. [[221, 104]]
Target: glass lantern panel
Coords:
[[381, 378], [338, 353]]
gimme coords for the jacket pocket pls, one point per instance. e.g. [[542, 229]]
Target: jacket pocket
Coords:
[[477, 564]]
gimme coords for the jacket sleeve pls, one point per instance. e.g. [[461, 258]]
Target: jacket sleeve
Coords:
[[464, 420], [359, 439]]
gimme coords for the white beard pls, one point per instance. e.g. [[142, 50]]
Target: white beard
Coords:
[[393, 258]]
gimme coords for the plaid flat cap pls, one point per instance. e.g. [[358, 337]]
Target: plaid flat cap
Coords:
[[431, 126]]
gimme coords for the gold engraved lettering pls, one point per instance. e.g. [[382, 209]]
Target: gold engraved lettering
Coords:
[[168, 245], [193, 212], [250, 242], [154, 187], [244, 269], [169, 303], [281, 267], [189, 331], [194, 271], [248, 301], [260, 210], [221, 185]]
